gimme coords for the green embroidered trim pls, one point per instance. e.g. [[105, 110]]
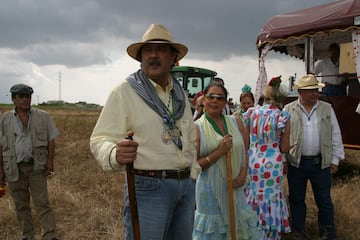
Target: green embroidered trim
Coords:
[[215, 126]]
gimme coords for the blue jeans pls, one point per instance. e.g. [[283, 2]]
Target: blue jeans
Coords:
[[320, 180], [334, 90], [165, 207]]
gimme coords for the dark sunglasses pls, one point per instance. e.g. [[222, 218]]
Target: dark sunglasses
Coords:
[[218, 97]]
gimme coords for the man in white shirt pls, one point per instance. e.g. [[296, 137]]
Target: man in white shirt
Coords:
[[315, 155], [328, 69]]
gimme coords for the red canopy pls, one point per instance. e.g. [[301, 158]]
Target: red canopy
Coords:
[[321, 25], [336, 16]]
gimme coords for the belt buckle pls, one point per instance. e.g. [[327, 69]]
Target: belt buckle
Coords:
[[151, 174], [178, 173], [317, 160]]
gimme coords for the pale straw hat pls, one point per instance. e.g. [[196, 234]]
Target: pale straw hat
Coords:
[[156, 33], [308, 81]]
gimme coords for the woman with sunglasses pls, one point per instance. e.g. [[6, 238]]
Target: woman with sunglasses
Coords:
[[269, 131], [216, 135]]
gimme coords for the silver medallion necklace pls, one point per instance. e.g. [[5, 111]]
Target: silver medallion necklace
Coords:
[[171, 132]]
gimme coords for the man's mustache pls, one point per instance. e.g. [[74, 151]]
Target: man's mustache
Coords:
[[154, 62]]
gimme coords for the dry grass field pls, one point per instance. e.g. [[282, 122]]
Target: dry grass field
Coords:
[[88, 202]]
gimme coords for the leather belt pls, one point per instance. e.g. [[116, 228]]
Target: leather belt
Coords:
[[310, 157], [316, 160], [25, 163], [31, 161], [334, 85], [175, 174]]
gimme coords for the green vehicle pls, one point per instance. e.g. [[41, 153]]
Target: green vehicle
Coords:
[[192, 79]]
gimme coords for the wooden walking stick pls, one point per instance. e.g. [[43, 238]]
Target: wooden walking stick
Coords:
[[230, 195], [132, 198]]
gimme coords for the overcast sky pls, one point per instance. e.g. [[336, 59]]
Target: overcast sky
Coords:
[[86, 41]]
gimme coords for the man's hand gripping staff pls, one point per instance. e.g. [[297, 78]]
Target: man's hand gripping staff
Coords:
[[132, 196]]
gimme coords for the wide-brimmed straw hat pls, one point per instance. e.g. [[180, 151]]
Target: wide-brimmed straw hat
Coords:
[[156, 33], [308, 82]]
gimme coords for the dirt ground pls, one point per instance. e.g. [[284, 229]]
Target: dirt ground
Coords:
[[88, 202]]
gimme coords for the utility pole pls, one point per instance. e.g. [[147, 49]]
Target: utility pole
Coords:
[[59, 86]]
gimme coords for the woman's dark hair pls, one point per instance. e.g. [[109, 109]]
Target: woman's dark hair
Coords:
[[212, 84], [335, 46]]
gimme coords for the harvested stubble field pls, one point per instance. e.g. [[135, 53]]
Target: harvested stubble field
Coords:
[[88, 202]]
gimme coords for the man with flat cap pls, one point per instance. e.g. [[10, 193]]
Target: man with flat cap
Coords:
[[152, 108], [317, 149], [26, 159]]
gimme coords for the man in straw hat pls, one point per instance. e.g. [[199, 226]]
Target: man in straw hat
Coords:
[[317, 149], [151, 108]]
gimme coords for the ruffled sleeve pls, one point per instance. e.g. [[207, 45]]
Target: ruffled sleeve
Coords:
[[284, 118], [246, 116]]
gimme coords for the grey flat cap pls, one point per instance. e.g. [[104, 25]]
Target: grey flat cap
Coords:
[[21, 89]]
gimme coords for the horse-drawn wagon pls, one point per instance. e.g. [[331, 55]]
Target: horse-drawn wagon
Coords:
[[307, 34]]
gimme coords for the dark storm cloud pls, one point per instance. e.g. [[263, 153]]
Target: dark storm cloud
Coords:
[[67, 54], [48, 32], [87, 39]]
